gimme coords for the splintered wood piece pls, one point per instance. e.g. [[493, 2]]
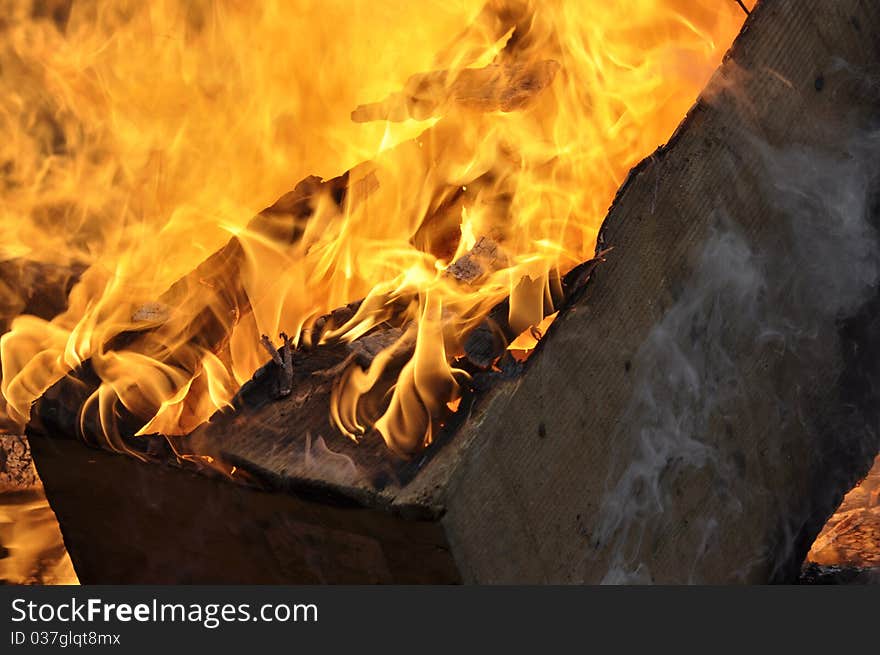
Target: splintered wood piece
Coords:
[[283, 359], [498, 87], [370, 345]]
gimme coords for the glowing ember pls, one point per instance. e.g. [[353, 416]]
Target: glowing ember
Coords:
[[29, 534], [852, 536], [146, 134]]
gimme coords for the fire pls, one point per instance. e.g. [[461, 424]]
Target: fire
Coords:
[[851, 537], [34, 552], [142, 137]]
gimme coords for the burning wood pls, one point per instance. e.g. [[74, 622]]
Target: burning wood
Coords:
[[216, 301], [851, 537], [31, 549], [515, 158], [497, 87], [693, 414], [484, 258], [371, 345], [215, 294], [307, 375], [652, 413], [17, 472], [35, 288]]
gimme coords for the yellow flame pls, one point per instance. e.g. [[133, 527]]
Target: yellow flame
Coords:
[[29, 534], [143, 135]]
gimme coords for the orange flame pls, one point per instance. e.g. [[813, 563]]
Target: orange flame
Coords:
[[142, 136], [34, 552]]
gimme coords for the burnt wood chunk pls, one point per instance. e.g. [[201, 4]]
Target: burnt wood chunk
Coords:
[[695, 414]]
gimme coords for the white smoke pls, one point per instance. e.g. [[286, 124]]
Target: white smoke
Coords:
[[820, 265]]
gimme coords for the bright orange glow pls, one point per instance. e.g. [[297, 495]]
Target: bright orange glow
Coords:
[[29, 533], [147, 134], [851, 538], [526, 342]]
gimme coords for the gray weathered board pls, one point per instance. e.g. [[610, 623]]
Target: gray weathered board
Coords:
[[694, 416]]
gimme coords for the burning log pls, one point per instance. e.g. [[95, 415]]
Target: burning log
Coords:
[[217, 284], [694, 415], [498, 87], [508, 84], [814, 574], [216, 299], [304, 376], [283, 359], [261, 437]]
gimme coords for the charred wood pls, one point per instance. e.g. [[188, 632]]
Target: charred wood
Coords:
[[33, 287], [498, 87]]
